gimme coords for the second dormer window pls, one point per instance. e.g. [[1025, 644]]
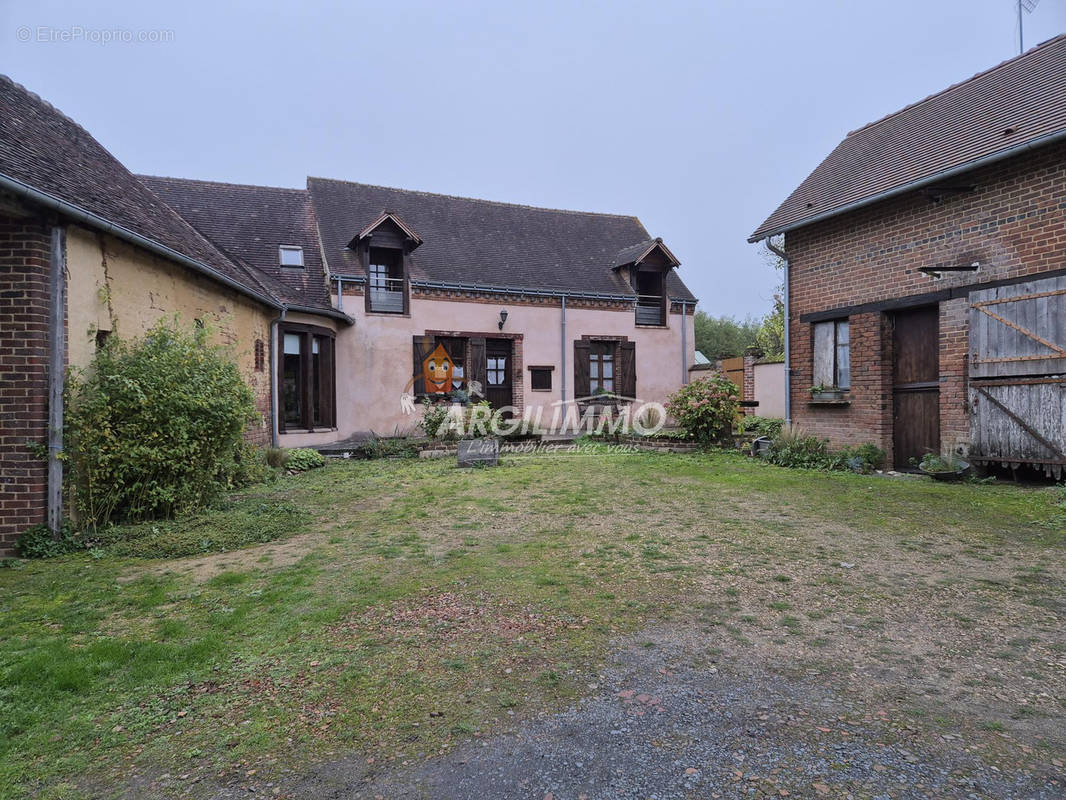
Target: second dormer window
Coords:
[[291, 256]]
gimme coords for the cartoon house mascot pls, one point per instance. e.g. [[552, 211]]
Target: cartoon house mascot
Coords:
[[437, 370], [440, 376]]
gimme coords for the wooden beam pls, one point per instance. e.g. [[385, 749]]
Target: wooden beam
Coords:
[[57, 346], [925, 299]]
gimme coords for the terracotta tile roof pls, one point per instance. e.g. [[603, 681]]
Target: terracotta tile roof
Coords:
[[250, 223], [1017, 104], [482, 242], [46, 151]]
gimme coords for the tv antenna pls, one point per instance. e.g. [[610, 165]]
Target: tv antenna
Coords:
[[1028, 6]]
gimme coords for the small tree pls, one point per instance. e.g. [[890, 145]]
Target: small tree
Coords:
[[706, 408], [154, 426]]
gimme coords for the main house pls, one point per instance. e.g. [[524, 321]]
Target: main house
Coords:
[[340, 302], [926, 279]]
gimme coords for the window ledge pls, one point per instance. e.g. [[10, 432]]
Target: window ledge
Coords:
[[541, 390], [299, 431], [841, 402], [659, 327]]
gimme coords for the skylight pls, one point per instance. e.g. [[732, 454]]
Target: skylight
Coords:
[[290, 256]]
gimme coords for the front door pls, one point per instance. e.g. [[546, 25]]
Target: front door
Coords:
[[916, 385], [498, 372]]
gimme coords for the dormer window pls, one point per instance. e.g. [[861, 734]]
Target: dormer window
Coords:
[[648, 264], [291, 256], [651, 296], [386, 280], [384, 246]]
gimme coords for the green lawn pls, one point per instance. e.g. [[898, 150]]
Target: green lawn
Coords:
[[416, 605]]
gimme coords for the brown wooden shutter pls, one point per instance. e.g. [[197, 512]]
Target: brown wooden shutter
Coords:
[[627, 369], [327, 387], [421, 346], [581, 369], [478, 366]]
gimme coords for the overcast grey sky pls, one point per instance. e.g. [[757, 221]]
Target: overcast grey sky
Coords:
[[698, 117]]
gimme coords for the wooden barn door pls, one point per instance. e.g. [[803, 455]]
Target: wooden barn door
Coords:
[[1017, 386], [915, 385]]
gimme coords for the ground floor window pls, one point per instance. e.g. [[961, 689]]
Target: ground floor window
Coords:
[[307, 379], [832, 354], [540, 379], [601, 367], [604, 366]]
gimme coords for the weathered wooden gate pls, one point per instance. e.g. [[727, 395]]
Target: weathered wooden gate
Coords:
[[733, 368], [1018, 375]]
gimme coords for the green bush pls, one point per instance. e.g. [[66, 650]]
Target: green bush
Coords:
[[793, 447], [383, 447], [706, 408], [38, 542], [154, 426], [252, 466], [864, 457], [434, 418], [276, 456], [760, 426], [304, 458]]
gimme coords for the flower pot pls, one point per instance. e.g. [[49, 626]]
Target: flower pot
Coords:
[[831, 395]]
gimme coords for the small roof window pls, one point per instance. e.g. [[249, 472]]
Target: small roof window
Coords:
[[290, 255]]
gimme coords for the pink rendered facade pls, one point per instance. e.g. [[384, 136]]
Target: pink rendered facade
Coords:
[[374, 363]]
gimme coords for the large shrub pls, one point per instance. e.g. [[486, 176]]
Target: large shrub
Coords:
[[706, 408], [154, 426]]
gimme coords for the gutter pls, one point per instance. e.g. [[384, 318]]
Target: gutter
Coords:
[[98, 222], [777, 251], [562, 352], [513, 290], [1041, 141], [322, 312], [275, 379]]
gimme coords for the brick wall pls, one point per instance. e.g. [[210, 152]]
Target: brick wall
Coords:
[[747, 391], [1013, 223], [24, 265]]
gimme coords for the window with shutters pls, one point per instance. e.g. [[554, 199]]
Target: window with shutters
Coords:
[[460, 353], [601, 368], [307, 377], [832, 354], [604, 366]]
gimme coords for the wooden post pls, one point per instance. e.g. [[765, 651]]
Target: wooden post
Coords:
[[57, 342]]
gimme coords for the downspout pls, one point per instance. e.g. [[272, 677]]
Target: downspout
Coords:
[[274, 376], [777, 251], [562, 350], [57, 313], [684, 344]]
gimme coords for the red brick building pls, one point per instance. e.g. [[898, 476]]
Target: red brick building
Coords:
[[927, 279]]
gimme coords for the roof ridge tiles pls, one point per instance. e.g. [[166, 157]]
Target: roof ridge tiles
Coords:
[[473, 199], [957, 84]]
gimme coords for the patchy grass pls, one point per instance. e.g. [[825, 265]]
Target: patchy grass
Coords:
[[421, 605], [234, 523]]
